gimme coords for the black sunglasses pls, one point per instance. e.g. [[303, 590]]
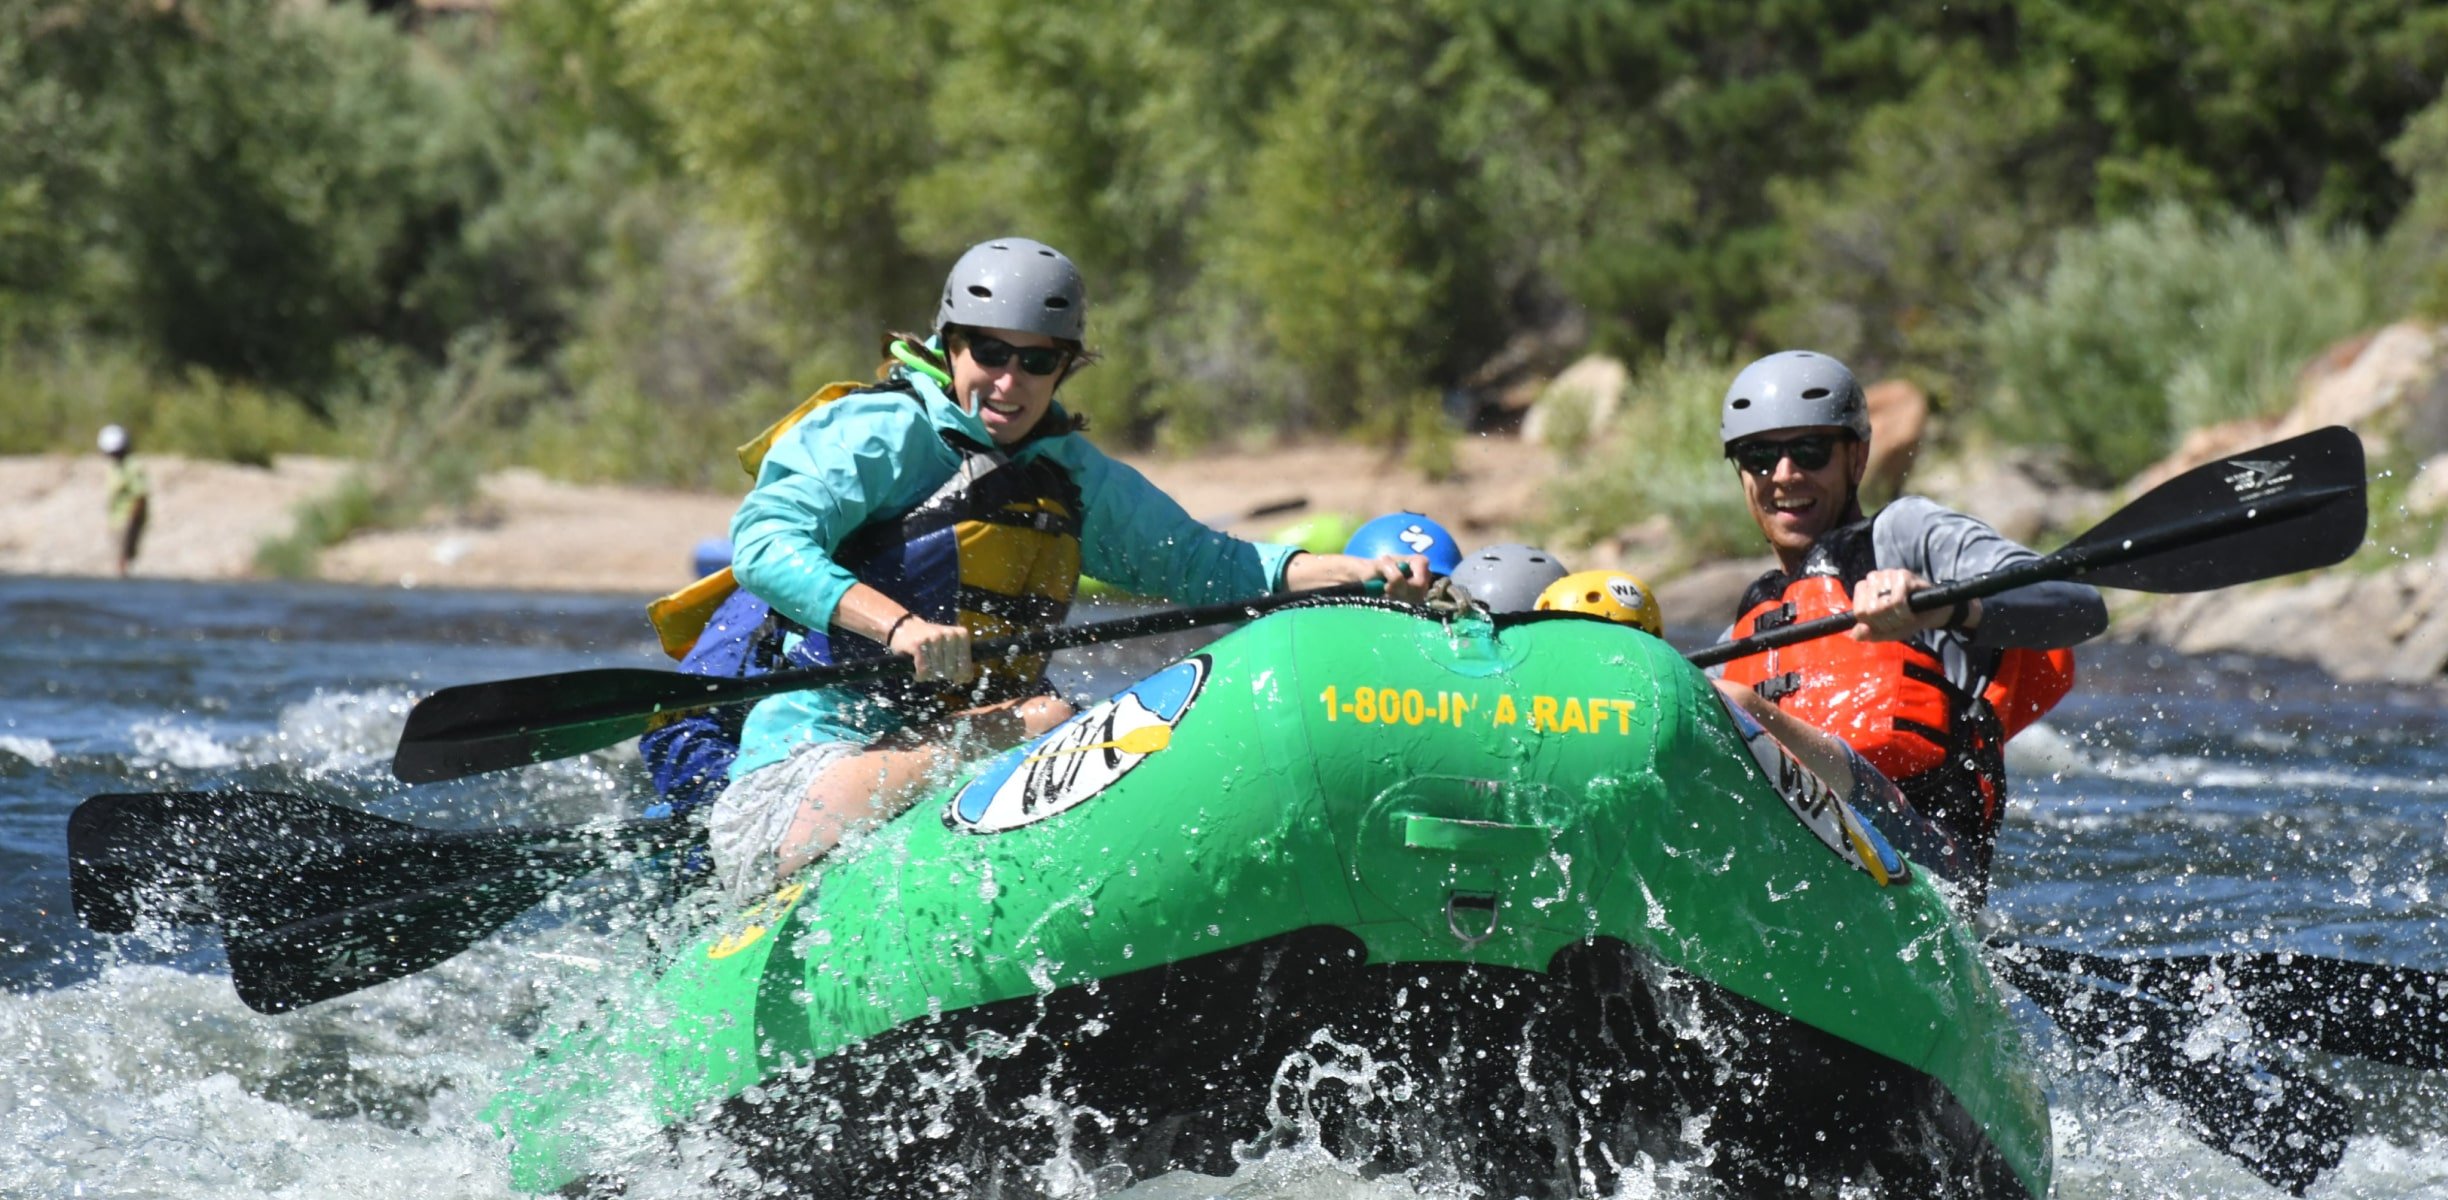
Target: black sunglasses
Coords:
[[993, 352], [1810, 452]]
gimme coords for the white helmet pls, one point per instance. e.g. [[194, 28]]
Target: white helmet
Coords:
[[1793, 389], [112, 440]]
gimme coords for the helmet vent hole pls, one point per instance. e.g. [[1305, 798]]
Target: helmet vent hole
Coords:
[[1742, 403], [981, 291], [1815, 394], [1058, 302]]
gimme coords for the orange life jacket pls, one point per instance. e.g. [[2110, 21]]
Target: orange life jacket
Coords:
[[1892, 701]]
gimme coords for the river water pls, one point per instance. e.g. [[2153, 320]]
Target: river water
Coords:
[[2172, 803]]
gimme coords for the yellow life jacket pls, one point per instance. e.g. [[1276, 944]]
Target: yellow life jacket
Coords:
[[681, 617]]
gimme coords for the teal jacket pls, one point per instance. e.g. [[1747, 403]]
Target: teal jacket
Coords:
[[874, 457]]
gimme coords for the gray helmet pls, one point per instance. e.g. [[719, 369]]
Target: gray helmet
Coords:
[[1793, 389], [1508, 576], [1015, 283]]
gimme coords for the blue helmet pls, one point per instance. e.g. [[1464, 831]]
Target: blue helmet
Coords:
[[1407, 533]]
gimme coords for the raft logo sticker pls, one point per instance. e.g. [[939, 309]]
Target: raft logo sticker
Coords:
[[1820, 809], [2256, 478], [1080, 758]]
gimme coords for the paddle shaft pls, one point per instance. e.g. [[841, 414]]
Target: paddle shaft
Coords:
[[1021, 645], [708, 691], [2075, 560], [474, 728]]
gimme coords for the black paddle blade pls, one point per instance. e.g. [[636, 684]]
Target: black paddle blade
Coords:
[[2281, 1124], [2273, 510], [342, 917], [279, 967], [317, 900], [2395, 1015], [165, 854], [479, 727]]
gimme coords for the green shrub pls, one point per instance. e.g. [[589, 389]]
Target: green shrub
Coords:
[[253, 188], [2418, 242], [425, 437], [352, 504], [2154, 325], [611, 434], [1954, 190], [674, 360], [1659, 456], [1292, 217], [61, 390]]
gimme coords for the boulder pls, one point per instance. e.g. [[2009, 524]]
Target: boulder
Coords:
[[1899, 413], [2026, 494], [2390, 387], [2428, 493], [2389, 626], [1580, 404], [2393, 391]]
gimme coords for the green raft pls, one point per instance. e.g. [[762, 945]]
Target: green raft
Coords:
[[1519, 904]]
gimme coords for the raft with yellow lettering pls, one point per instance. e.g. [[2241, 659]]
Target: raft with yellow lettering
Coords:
[[1519, 905]]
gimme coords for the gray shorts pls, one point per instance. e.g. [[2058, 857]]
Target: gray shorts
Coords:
[[744, 831]]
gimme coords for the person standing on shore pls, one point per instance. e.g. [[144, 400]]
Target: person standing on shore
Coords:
[[130, 494], [1929, 698]]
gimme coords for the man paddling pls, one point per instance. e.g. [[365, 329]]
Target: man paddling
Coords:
[[1927, 697]]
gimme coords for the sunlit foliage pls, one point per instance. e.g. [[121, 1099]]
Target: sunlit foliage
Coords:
[[1293, 217]]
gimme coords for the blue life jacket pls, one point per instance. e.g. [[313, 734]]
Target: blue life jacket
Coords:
[[689, 753]]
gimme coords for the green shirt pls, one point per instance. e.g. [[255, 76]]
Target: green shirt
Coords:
[[127, 488]]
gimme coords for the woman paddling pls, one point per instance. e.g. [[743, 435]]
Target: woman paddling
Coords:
[[954, 500]]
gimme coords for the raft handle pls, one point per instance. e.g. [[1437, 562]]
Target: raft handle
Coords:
[[1483, 839], [1482, 907]]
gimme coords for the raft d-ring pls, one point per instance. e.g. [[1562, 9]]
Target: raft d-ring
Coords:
[[1482, 909]]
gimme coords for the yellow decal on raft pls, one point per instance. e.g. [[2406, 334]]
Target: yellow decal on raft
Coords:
[[1147, 739], [756, 922], [1411, 706]]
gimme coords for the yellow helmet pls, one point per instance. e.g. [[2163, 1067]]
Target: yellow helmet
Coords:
[[1615, 595]]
